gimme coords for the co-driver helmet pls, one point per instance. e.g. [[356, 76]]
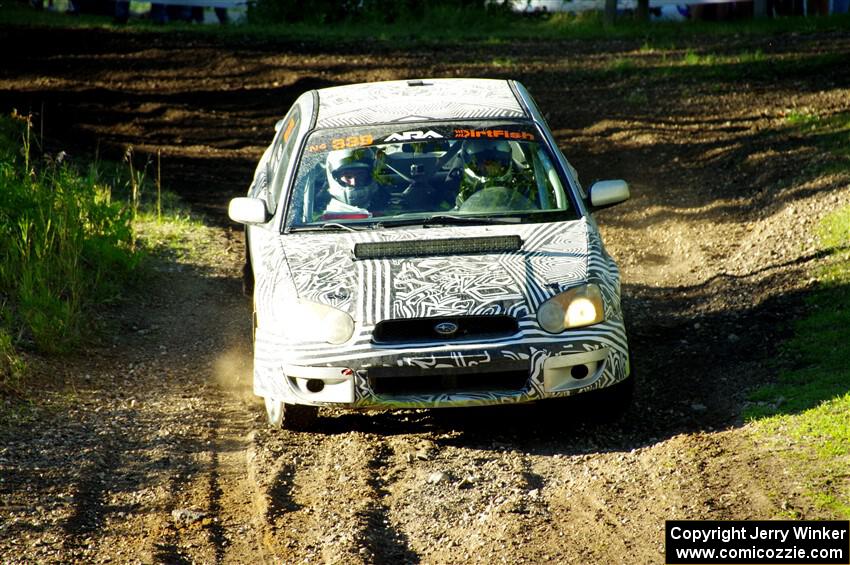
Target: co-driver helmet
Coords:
[[487, 161]]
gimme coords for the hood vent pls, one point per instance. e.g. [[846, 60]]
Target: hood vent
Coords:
[[431, 247]]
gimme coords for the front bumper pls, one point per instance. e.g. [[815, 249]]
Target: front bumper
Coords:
[[515, 371]]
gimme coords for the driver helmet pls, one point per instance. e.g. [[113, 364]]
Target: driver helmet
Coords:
[[487, 161], [350, 176]]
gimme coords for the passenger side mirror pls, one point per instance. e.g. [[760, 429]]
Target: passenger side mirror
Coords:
[[606, 193], [248, 211]]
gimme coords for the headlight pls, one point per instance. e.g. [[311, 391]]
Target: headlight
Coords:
[[318, 322], [575, 308]]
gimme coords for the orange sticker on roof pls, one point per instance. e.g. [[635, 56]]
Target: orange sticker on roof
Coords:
[[288, 131], [493, 134], [351, 141]]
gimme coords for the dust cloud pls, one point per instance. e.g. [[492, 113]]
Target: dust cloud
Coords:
[[232, 372]]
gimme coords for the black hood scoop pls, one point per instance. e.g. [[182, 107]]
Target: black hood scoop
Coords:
[[433, 247]]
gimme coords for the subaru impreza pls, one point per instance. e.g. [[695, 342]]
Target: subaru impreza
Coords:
[[426, 244]]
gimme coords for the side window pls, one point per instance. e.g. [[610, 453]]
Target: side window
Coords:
[[260, 185], [282, 153]]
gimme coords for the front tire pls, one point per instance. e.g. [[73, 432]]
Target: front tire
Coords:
[[611, 403], [296, 417]]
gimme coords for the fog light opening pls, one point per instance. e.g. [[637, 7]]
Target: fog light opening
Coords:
[[579, 372], [315, 385]]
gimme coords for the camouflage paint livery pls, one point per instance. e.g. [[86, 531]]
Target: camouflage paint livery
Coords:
[[291, 267], [322, 268]]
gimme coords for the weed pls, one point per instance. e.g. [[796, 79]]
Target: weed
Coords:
[[798, 117], [621, 65], [66, 244], [691, 58], [756, 56], [11, 365], [503, 62]]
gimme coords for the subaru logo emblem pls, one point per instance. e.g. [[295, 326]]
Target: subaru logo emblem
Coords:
[[446, 328]]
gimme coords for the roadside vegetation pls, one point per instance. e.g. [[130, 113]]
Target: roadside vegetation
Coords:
[[69, 244], [806, 412], [402, 23]]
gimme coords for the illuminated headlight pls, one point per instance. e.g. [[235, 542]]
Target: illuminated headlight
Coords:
[[318, 322], [575, 308]]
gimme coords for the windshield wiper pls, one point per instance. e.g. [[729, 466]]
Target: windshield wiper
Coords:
[[328, 226], [450, 220]]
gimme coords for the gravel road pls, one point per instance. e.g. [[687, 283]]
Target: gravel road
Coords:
[[150, 447]]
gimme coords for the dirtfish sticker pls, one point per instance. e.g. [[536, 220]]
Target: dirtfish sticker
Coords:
[[493, 134], [417, 135]]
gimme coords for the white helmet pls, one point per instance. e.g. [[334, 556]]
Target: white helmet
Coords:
[[351, 176], [488, 161]]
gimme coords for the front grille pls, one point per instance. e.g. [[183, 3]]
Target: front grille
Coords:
[[384, 382], [427, 329]]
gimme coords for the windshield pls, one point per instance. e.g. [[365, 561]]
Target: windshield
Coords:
[[381, 176]]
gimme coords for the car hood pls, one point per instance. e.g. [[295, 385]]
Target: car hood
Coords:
[[322, 267]]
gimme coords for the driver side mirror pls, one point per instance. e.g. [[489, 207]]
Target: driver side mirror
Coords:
[[606, 193], [248, 211]]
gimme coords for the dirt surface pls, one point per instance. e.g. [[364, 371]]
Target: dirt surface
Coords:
[[151, 448]]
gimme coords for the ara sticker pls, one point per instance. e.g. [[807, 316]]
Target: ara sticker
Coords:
[[417, 135], [493, 134]]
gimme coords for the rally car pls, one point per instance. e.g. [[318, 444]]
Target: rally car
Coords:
[[425, 244]]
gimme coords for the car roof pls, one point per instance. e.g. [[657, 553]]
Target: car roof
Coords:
[[420, 100]]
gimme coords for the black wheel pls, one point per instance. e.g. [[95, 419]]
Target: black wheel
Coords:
[[296, 417], [611, 403]]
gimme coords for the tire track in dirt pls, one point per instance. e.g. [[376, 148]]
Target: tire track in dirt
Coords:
[[325, 500], [272, 459], [456, 501], [206, 516], [240, 528], [176, 514], [89, 494], [182, 485]]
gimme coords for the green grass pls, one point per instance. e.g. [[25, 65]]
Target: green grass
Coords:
[[819, 352], [70, 241], [712, 70], [621, 65], [691, 58], [830, 133], [446, 26], [809, 405], [65, 244], [747, 65]]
